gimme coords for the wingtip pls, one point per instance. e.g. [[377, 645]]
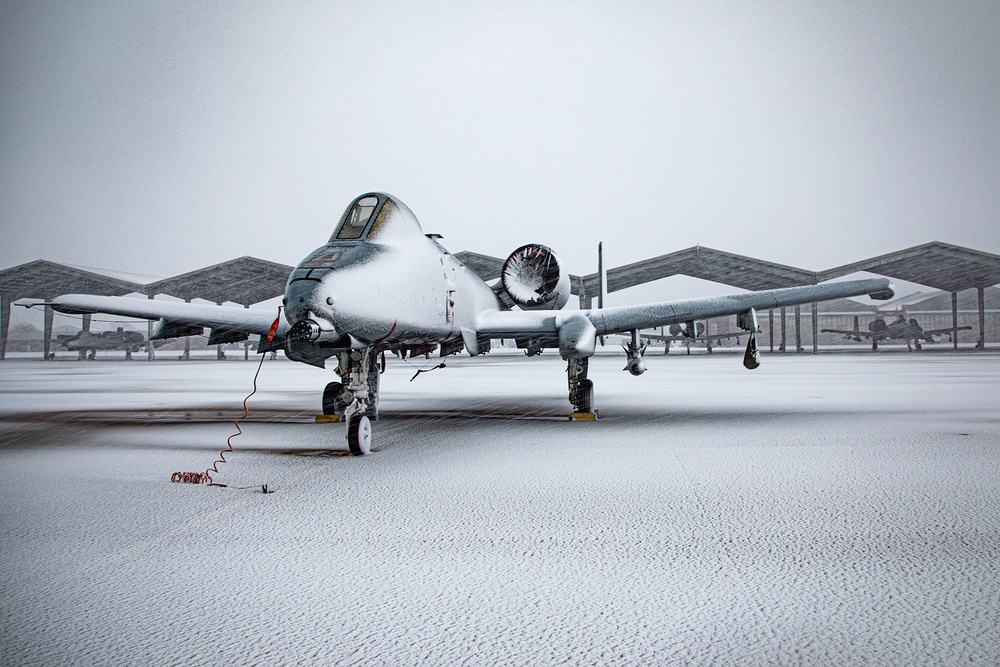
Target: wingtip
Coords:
[[886, 291]]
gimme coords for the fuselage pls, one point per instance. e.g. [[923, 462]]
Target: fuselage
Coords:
[[901, 330], [380, 280]]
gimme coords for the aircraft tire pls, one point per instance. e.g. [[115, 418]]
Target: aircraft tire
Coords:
[[585, 395], [359, 435], [332, 403]]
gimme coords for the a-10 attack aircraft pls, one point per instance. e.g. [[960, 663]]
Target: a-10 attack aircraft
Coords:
[[380, 282], [87, 341], [901, 329], [690, 336]]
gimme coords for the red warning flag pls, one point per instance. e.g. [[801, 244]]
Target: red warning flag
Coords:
[[274, 327]]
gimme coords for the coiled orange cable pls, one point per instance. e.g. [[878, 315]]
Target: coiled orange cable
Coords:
[[206, 477]]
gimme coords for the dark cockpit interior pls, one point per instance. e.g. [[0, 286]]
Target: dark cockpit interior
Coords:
[[357, 219]]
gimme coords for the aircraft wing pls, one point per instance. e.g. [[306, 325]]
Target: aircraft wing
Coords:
[[699, 337], [852, 333], [508, 324], [941, 332], [171, 313]]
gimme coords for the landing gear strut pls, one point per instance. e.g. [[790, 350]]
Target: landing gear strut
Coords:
[[581, 390], [356, 398]]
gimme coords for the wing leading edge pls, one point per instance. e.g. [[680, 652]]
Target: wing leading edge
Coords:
[[500, 324], [247, 320]]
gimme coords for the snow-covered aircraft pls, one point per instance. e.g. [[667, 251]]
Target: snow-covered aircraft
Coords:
[[689, 335], [380, 281]]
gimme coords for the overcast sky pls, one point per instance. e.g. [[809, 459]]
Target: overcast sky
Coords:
[[161, 137]]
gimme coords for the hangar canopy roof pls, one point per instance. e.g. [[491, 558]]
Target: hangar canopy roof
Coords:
[[947, 267], [249, 280], [486, 267], [42, 279], [707, 264], [245, 281]]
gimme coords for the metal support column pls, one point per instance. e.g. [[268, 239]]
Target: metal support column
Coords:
[[815, 318], [781, 347], [798, 329], [84, 328], [4, 325], [219, 354], [954, 320], [585, 300], [982, 319], [246, 344], [770, 327], [187, 342], [47, 332], [150, 355]]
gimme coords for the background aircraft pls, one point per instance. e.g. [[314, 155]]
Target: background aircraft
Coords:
[[380, 282], [88, 341], [683, 334], [901, 329]]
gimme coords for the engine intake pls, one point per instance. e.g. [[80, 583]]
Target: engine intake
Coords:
[[534, 279]]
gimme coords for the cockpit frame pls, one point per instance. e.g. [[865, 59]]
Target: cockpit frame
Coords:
[[357, 220]]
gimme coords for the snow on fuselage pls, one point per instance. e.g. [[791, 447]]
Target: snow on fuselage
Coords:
[[342, 286]]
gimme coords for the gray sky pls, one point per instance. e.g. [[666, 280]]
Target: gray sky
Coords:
[[160, 137]]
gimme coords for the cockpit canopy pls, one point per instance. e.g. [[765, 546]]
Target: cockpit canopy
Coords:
[[377, 217]]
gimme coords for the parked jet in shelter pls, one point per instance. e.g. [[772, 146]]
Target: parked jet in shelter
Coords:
[[381, 282], [689, 337], [902, 329], [87, 341]]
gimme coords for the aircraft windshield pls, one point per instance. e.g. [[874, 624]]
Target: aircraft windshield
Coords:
[[356, 221], [323, 259]]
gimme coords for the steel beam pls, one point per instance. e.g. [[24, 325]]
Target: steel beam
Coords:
[[954, 320], [770, 327], [782, 347], [982, 318], [798, 329], [47, 332], [815, 321], [4, 325]]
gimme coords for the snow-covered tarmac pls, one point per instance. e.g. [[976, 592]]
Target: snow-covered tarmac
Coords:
[[822, 510]]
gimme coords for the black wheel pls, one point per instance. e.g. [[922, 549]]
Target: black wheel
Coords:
[[333, 404], [585, 396], [359, 435]]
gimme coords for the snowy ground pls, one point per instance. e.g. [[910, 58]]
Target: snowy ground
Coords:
[[822, 510]]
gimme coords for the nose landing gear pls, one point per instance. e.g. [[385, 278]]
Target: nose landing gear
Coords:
[[355, 400]]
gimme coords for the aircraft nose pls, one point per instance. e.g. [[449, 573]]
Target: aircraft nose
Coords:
[[307, 308], [301, 298]]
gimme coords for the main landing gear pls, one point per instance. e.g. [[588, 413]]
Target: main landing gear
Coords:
[[581, 390], [355, 400]]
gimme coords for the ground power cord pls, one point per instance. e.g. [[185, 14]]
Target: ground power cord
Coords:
[[206, 477]]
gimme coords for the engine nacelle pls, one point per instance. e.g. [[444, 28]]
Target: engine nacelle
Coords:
[[534, 279]]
